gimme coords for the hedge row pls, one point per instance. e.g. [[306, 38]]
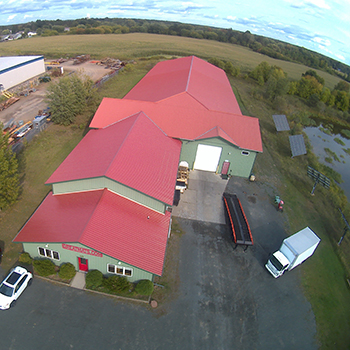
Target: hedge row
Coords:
[[95, 279], [46, 267]]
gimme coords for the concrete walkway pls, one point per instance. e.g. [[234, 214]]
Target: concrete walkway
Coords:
[[78, 280], [202, 200]]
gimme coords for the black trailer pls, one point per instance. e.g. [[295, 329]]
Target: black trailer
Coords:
[[237, 221]]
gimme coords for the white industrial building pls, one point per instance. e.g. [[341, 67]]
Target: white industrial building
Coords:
[[18, 69]]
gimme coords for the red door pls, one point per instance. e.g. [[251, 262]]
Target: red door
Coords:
[[83, 264], [225, 167]]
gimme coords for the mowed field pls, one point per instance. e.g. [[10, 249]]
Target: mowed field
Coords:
[[136, 45]]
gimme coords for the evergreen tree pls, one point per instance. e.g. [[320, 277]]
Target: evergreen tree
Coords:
[[9, 178]]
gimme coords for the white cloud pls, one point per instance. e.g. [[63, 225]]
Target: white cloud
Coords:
[[11, 17], [323, 42], [232, 18], [341, 57], [319, 3]]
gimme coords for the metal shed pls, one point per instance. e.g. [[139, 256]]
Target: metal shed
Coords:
[[18, 69]]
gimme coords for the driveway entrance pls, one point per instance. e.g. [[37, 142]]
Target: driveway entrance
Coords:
[[202, 200]]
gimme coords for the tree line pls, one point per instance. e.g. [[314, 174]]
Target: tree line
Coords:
[[310, 87], [267, 46]]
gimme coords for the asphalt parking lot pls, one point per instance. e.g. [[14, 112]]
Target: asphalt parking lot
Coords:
[[226, 300]]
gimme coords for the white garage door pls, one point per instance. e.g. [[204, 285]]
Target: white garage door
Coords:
[[207, 157]]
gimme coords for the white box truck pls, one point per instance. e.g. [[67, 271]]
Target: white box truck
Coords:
[[294, 250]]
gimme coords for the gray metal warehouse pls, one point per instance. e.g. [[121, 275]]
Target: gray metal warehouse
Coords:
[[18, 69]]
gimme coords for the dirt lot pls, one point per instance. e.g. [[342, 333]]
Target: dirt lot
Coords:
[[28, 106]]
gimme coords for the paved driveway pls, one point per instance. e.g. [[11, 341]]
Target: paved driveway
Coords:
[[202, 200], [226, 299], [236, 302]]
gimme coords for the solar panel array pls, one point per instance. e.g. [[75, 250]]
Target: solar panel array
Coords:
[[319, 177], [281, 122], [297, 145]]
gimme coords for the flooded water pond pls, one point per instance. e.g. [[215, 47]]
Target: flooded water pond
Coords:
[[334, 151]]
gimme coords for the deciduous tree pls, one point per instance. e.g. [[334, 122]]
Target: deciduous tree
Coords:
[[69, 97]]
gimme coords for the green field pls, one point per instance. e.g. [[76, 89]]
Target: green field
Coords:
[[324, 277], [135, 45]]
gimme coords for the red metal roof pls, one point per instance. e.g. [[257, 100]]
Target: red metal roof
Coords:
[[187, 119], [102, 221], [133, 151], [186, 98], [199, 79]]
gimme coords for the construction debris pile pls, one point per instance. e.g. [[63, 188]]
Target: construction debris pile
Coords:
[[111, 63], [80, 59]]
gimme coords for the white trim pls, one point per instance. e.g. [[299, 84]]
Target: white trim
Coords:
[[245, 153], [123, 268], [51, 256]]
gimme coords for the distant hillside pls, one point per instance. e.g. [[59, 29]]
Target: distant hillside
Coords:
[[266, 46]]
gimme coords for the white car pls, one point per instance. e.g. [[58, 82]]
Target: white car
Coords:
[[13, 286]]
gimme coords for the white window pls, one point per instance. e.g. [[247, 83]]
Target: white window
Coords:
[[48, 253], [119, 270], [245, 153]]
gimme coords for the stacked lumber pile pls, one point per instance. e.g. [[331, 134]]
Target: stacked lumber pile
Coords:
[[8, 103], [182, 177]]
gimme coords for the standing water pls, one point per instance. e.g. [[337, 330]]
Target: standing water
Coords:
[[335, 148]]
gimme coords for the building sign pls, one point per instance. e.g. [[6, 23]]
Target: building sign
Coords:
[[81, 250]]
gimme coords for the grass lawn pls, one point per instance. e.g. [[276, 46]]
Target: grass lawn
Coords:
[[324, 278]]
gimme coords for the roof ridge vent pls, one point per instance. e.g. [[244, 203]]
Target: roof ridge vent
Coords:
[[189, 74]]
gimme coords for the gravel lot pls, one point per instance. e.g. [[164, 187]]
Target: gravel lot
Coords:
[[28, 106]]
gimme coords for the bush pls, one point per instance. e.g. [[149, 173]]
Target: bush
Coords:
[[25, 258], [144, 287], [116, 284], [216, 62], [44, 267], [93, 279], [67, 271]]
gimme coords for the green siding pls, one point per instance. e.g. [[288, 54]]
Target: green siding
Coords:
[[240, 165], [94, 262], [103, 182]]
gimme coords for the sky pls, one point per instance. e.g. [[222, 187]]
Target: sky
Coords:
[[319, 25]]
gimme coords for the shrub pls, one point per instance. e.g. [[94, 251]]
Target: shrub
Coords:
[[116, 283], [25, 258], [93, 279], [67, 271], [217, 62], [44, 267], [144, 287]]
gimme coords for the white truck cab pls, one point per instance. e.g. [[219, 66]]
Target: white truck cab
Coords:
[[277, 264], [294, 250]]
